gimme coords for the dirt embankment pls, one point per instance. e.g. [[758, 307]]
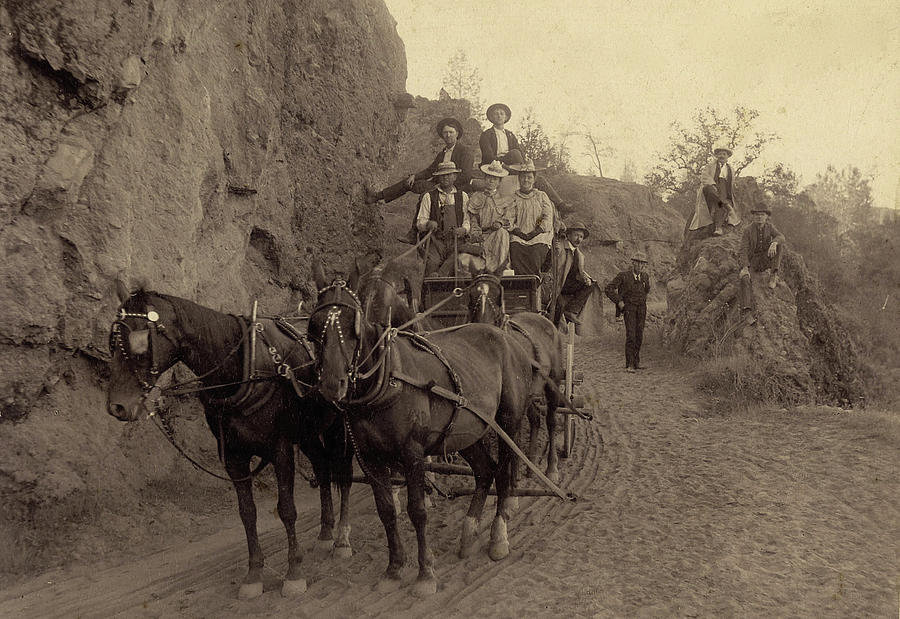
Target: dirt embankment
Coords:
[[204, 148]]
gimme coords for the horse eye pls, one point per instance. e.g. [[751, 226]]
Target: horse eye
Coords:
[[139, 342]]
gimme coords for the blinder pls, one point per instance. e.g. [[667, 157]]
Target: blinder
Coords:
[[140, 342]]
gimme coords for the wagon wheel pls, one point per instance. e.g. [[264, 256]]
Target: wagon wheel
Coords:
[[569, 437], [569, 424]]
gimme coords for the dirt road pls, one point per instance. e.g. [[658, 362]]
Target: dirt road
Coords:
[[682, 512]]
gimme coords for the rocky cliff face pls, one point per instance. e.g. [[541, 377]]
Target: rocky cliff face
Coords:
[[202, 148]]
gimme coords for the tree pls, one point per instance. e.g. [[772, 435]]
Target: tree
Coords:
[[845, 194], [596, 150], [781, 182], [690, 148], [463, 81], [536, 145]]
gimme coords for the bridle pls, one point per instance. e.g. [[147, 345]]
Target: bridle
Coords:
[[155, 329], [484, 298], [333, 322]]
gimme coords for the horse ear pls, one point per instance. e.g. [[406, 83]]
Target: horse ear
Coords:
[[122, 291], [318, 273], [353, 274]]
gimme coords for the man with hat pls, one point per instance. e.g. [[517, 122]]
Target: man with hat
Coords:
[[577, 285], [628, 290], [443, 210], [489, 219], [715, 198], [533, 223], [450, 131], [498, 142], [761, 250]]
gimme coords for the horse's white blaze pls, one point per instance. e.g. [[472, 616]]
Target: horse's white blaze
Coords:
[[139, 342]]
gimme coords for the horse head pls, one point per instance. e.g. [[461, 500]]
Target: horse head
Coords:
[[337, 329], [387, 297], [143, 344], [486, 300]]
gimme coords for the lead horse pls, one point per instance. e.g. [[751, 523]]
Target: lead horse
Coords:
[[250, 410], [544, 344], [405, 397]]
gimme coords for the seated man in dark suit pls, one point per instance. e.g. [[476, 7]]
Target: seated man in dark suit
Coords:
[[450, 130]]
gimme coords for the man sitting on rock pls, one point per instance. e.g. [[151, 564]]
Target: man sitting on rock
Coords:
[[761, 250], [715, 198], [442, 210]]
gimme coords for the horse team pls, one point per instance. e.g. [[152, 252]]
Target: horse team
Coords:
[[349, 383]]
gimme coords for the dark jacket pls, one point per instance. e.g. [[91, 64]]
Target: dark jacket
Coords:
[[464, 160], [624, 288], [756, 240], [488, 144]]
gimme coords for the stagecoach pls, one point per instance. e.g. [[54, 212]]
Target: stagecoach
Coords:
[[521, 293]]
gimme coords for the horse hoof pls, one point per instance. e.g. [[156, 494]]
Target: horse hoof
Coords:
[[323, 547], [250, 590], [343, 552], [291, 588], [466, 550], [512, 503], [553, 476], [424, 588], [387, 584], [499, 551]]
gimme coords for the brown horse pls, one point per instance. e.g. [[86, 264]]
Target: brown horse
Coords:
[[257, 415], [544, 344], [405, 397]]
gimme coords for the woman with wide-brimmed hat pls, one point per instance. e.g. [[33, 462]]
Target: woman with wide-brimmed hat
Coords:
[[490, 219], [533, 223], [450, 131]]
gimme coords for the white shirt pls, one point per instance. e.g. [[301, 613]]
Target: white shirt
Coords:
[[448, 152], [502, 142], [444, 199], [723, 171]]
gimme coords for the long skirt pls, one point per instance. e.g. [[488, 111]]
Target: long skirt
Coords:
[[527, 259]]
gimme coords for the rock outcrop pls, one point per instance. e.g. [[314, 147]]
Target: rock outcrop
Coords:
[[796, 351], [202, 148]]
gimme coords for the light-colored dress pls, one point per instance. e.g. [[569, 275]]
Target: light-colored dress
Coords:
[[486, 209]]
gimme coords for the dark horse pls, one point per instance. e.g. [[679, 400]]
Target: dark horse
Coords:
[[405, 397], [251, 408], [544, 344]]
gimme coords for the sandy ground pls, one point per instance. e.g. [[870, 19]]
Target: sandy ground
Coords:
[[682, 512]]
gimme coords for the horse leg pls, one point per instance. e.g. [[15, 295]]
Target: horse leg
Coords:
[[238, 467], [534, 423], [552, 454], [479, 458], [342, 474], [499, 545], [414, 467], [294, 583], [381, 489], [318, 457]]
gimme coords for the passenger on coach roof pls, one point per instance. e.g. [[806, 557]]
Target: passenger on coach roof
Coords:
[[443, 210], [490, 217], [533, 223]]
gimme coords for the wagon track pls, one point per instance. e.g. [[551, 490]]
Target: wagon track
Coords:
[[681, 512]]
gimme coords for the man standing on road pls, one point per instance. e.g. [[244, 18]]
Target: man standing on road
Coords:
[[628, 290]]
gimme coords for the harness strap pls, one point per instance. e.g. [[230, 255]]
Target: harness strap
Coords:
[[491, 422]]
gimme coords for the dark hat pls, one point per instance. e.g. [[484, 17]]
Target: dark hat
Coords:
[[639, 256], [761, 207], [502, 106], [453, 123], [578, 226]]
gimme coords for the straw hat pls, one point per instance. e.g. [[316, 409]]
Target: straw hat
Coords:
[[446, 167], [528, 166], [639, 256], [723, 147], [501, 106], [495, 168]]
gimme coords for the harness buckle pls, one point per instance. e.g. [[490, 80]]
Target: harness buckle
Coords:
[[283, 370]]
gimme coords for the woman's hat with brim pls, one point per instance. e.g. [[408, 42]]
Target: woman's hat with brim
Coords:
[[639, 256], [578, 226], [446, 167], [495, 168], [501, 106], [723, 147], [453, 123], [528, 166]]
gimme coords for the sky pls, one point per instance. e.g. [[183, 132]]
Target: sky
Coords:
[[824, 74]]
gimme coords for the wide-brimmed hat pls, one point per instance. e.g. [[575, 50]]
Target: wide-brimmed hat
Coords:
[[502, 106], [639, 256], [528, 166], [724, 147], [495, 168], [446, 167], [453, 123], [578, 226], [761, 207]]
